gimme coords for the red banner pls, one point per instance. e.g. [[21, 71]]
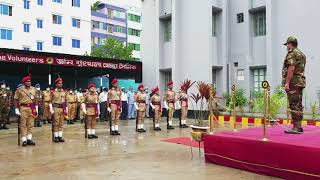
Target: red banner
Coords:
[[21, 58]]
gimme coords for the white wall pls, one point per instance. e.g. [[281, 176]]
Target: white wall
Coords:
[[45, 12]]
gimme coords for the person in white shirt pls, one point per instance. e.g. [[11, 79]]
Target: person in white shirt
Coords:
[[103, 98], [147, 102], [131, 108], [124, 100]]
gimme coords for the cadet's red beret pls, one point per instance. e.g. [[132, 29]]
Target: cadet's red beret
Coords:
[[140, 86], [114, 81], [91, 85], [58, 80], [170, 83], [156, 89], [27, 78]]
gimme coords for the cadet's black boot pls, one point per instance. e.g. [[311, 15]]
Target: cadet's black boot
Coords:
[[117, 133], [170, 127], [1, 127], [30, 142], [94, 136], [61, 139], [90, 136], [44, 122], [113, 133], [24, 143], [56, 140]]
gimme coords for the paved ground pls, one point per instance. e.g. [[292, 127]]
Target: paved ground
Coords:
[[129, 156]]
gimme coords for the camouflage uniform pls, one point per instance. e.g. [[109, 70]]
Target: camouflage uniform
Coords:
[[298, 82]]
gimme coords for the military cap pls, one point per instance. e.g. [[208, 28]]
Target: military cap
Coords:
[[291, 39]]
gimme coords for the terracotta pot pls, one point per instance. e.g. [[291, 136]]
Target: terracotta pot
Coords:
[[198, 132]]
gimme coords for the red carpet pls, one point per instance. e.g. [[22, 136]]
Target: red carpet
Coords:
[[294, 157], [184, 141]]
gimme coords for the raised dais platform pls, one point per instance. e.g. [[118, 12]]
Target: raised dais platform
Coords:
[[293, 157]]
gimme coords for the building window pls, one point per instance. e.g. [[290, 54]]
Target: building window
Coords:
[[5, 10], [166, 77], [39, 23], [76, 3], [26, 27], [104, 26], [75, 43], [110, 13], [134, 18], [214, 25], [95, 24], [57, 41], [110, 28], [135, 47], [167, 31], [56, 19], [118, 14], [75, 22], [240, 74], [240, 18], [119, 29], [5, 34], [26, 48], [40, 2], [57, 1], [26, 4], [259, 75], [260, 23], [134, 32], [39, 46]]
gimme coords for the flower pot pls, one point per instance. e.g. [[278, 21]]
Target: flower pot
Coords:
[[198, 132]]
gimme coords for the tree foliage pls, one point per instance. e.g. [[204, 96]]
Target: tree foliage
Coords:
[[94, 6], [113, 48]]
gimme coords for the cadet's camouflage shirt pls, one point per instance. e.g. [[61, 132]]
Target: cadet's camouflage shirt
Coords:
[[295, 58]]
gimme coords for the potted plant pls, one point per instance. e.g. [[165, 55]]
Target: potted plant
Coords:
[[200, 102]]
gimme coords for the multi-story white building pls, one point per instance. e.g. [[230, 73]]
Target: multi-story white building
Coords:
[[227, 42], [58, 26], [134, 31]]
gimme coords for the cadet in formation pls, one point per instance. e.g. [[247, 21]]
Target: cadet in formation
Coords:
[[46, 105], [91, 109], [26, 106], [140, 104], [39, 95], [58, 109], [72, 106], [155, 103], [5, 105], [114, 107], [169, 103]]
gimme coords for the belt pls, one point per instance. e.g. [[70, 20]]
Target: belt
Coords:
[[156, 103], [115, 101], [71, 102], [46, 101], [57, 105], [26, 105], [91, 104], [170, 101], [141, 101]]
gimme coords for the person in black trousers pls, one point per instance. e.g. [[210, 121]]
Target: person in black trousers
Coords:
[[124, 100]]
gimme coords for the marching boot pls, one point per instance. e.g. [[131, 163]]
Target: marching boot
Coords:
[[159, 129], [117, 132], [1, 127], [297, 129], [44, 122], [30, 142], [94, 136], [24, 143], [113, 133], [68, 121], [90, 136], [61, 139], [56, 139], [39, 124], [71, 122]]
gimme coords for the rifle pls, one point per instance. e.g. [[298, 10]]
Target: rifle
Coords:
[[19, 117]]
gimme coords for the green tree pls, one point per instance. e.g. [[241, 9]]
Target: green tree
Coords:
[[94, 6], [113, 48]]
